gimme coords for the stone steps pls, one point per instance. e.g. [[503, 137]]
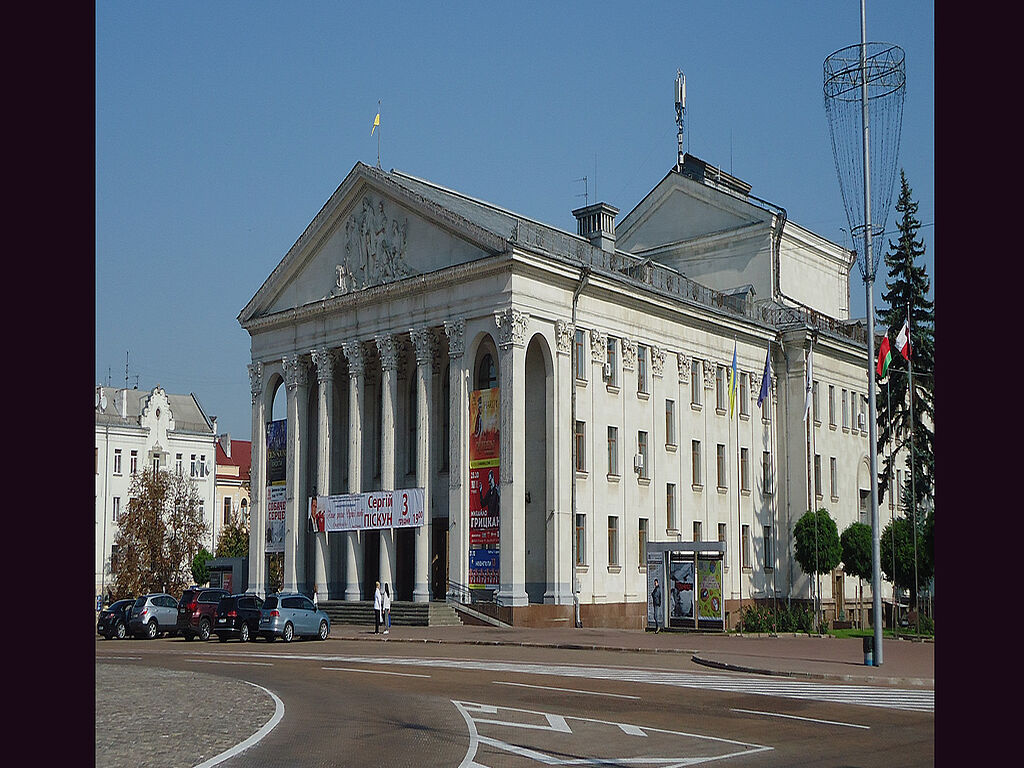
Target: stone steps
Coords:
[[407, 614]]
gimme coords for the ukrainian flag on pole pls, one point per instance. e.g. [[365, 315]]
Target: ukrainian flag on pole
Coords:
[[376, 123], [733, 381]]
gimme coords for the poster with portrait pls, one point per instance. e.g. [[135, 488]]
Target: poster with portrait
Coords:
[[484, 487], [277, 452], [680, 591], [710, 606], [656, 589]]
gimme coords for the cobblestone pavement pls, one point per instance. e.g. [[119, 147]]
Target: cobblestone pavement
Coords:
[[141, 721]]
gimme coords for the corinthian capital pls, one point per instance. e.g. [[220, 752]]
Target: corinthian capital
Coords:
[[388, 348], [423, 344], [323, 359], [563, 336], [511, 324], [353, 351], [294, 371], [255, 379], [455, 330]]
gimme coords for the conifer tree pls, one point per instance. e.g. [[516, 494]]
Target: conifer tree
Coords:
[[907, 286]]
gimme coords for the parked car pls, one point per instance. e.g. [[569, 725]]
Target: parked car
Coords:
[[197, 610], [153, 615], [113, 620], [287, 615], [238, 616]]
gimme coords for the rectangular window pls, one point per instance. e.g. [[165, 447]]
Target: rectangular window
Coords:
[[670, 422], [117, 509], [156, 464], [641, 369], [744, 395], [833, 478], [695, 461], [814, 401], [846, 410], [766, 472], [721, 537], [769, 554], [613, 541], [696, 530], [579, 357], [720, 392], [192, 473], [202, 465], [670, 506], [817, 475], [720, 463], [696, 386], [134, 459], [642, 541], [613, 362], [865, 501], [581, 539], [831, 406], [227, 510], [117, 461], [581, 446], [744, 469], [641, 447], [613, 450], [177, 463], [745, 546]]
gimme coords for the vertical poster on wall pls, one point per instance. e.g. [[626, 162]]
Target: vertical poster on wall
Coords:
[[680, 590], [484, 488], [656, 589], [710, 607], [277, 490]]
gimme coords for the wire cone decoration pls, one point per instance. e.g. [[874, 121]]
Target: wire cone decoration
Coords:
[[886, 89]]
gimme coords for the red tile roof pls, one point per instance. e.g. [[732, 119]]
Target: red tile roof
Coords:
[[241, 457]]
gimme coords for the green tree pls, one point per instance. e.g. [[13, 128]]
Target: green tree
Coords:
[[234, 538], [907, 285], [856, 545], [897, 551], [200, 572], [816, 544], [159, 534]]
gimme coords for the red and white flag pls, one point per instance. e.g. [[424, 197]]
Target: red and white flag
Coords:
[[903, 340]]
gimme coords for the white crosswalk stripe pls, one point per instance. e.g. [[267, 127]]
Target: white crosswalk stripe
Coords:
[[922, 700]]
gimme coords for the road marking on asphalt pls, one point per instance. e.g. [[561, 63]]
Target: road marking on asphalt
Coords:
[[808, 719], [567, 690], [244, 663], [372, 671], [119, 658], [256, 737]]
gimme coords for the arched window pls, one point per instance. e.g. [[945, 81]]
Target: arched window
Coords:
[[486, 375]]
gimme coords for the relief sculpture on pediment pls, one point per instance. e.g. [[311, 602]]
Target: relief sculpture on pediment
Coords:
[[374, 249]]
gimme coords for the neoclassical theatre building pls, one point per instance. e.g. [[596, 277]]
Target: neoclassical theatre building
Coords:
[[403, 303]]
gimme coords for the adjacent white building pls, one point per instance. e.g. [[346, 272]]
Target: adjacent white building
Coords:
[[610, 347], [135, 430]]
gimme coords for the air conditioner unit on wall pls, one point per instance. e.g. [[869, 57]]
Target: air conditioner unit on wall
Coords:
[[607, 371], [638, 462], [861, 421]]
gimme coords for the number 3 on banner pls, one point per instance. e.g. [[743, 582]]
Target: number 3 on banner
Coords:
[[405, 504]]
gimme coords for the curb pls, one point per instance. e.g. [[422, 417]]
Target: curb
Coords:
[[520, 644], [870, 679]]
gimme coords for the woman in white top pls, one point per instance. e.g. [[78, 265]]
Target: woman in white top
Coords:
[[387, 609], [378, 610]]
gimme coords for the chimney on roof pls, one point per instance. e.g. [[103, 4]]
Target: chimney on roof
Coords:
[[597, 223], [225, 444]]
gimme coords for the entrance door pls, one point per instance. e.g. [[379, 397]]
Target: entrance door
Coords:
[[439, 558]]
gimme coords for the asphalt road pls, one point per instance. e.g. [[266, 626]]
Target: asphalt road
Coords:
[[357, 703]]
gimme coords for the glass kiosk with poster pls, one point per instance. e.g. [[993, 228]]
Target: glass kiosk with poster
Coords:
[[684, 585]]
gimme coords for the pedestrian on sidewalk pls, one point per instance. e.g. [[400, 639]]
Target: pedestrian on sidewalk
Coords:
[[656, 602], [387, 608], [378, 609], [316, 603]]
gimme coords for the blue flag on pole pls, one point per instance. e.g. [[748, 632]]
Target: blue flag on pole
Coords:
[[766, 378]]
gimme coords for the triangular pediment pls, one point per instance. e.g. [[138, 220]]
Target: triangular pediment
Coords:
[[372, 231], [680, 209]]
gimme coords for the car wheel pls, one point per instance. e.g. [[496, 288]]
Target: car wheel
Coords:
[[323, 629], [289, 632], [204, 630], [152, 629], [243, 633], [120, 631]]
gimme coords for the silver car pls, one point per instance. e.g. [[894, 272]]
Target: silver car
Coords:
[[153, 615], [291, 614]]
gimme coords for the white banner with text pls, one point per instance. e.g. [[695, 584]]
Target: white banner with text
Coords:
[[367, 511]]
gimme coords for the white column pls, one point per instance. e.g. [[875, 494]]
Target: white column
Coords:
[[512, 546], [388, 348], [323, 358], [296, 380], [356, 396], [563, 527], [257, 483], [458, 500], [424, 344]]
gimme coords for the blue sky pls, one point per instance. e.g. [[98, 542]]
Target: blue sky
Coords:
[[222, 128]]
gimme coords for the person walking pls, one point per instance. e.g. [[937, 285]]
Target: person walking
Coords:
[[387, 608], [378, 609], [316, 603]]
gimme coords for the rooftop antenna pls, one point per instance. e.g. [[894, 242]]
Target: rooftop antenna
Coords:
[[586, 194], [126, 369], [680, 111]]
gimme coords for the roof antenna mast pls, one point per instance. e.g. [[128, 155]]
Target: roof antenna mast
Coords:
[[680, 110]]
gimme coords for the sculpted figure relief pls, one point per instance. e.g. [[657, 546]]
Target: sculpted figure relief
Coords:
[[374, 249]]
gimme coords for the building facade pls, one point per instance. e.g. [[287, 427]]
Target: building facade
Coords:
[[610, 349], [231, 480], [136, 430]]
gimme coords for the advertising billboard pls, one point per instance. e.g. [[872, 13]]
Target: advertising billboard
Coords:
[[680, 591], [710, 605], [276, 495], [656, 589], [484, 487], [375, 510]]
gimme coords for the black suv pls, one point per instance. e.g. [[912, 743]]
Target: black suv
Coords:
[[238, 616], [113, 620], [197, 610]]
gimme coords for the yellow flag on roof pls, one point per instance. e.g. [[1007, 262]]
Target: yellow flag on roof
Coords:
[[376, 123]]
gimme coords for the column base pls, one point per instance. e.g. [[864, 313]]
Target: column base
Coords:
[[421, 593], [352, 592], [513, 596]]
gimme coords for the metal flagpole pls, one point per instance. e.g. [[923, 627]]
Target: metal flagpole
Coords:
[[913, 492]]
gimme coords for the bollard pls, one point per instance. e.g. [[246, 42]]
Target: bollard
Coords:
[[869, 651]]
